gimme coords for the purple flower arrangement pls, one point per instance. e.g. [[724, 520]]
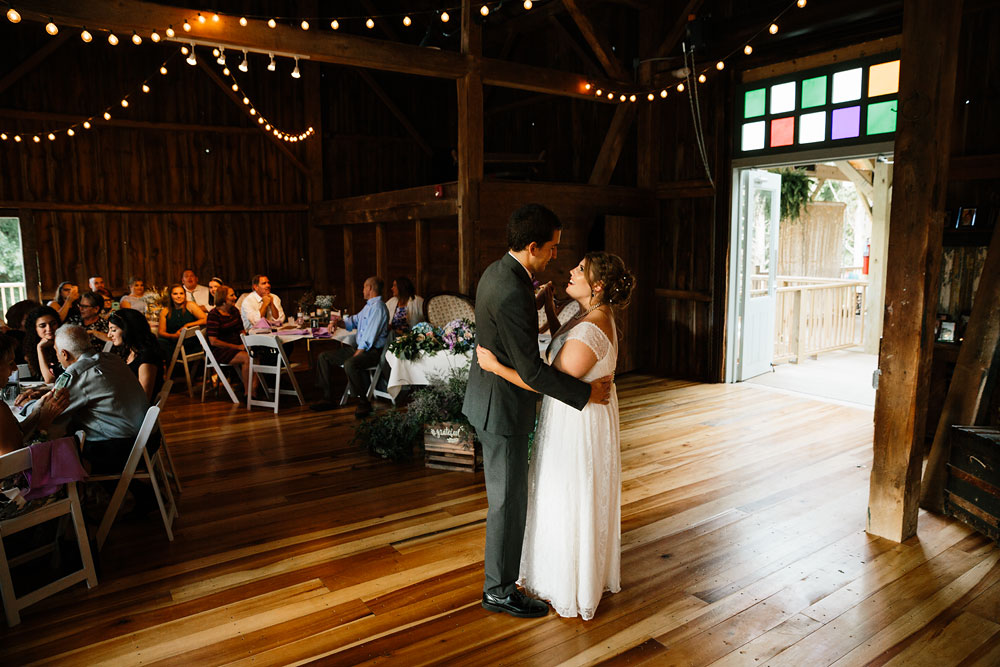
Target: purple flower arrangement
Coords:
[[458, 336]]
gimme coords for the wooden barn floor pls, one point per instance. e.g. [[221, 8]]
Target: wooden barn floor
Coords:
[[743, 544]]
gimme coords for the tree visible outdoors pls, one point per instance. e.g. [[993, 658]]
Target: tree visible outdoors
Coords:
[[858, 230], [11, 262]]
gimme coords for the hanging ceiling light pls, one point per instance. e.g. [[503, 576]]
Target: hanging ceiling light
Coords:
[[271, 66], [244, 66], [222, 56], [191, 60], [295, 72]]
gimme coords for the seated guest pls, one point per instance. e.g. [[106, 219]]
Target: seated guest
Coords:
[[195, 292], [405, 308], [39, 338], [136, 297], [64, 303], [224, 328], [90, 319], [14, 318], [372, 325], [261, 304], [178, 313], [213, 284], [50, 405], [136, 344], [97, 285]]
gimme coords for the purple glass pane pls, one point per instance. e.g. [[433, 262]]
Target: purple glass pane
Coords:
[[846, 123]]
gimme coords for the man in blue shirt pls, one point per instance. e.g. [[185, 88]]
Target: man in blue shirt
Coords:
[[372, 325]]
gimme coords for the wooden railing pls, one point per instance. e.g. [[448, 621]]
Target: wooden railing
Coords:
[[11, 293], [817, 317]]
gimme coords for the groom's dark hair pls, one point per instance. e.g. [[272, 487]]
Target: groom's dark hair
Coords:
[[531, 222]]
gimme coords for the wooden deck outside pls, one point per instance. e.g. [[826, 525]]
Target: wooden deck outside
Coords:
[[743, 544]]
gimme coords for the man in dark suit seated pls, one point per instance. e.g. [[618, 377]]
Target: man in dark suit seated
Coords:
[[503, 414]]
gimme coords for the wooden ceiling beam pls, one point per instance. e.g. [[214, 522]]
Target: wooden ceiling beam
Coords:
[[598, 42], [395, 110], [124, 16], [678, 29], [32, 61], [70, 119]]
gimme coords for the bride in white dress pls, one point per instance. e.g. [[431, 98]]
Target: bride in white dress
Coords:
[[572, 539]]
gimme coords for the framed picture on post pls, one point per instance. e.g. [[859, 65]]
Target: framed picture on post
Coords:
[[966, 218]]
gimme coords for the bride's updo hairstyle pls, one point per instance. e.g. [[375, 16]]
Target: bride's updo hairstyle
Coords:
[[609, 270]]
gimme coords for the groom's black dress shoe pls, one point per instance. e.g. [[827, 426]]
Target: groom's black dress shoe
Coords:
[[516, 604]]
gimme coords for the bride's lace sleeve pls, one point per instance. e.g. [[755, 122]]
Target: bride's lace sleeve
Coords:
[[591, 335]]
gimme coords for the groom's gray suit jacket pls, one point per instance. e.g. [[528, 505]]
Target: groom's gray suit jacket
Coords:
[[507, 325]]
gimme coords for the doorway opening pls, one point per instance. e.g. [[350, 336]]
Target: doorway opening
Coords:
[[12, 284], [806, 280]]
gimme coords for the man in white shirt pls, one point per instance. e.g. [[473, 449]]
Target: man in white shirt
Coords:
[[261, 304], [193, 291]]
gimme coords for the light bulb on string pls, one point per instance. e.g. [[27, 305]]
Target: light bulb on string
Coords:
[[235, 87], [444, 17], [186, 26], [170, 32], [70, 132], [260, 121], [370, 23], [484, 10], [702, 78], [720, 65], [599, 92], [3, 137], [51, 28], [136, 39], [621, 99], [13, 16], [215, 18], [225, 71], [86, 36], [527, 4], [305, 25], [246, 100], [215, 52], [271, 66], [36, 139], [651, 97], [244, 65], [587, 86], [243, 21], [407, 21], [663, 93], [107, 116], [335, 24], [773, 28], [185, 50], [748, 49], [163, 70], [17, 137], [800, 4], [680, 87], [52, 137], [611, 96], [268, 127], [295, 72], [271, 23], [112, 39], [253, 112], [201, 19], [145, 88], [631, 98], [124, 104], [155, 36], [86, 124]]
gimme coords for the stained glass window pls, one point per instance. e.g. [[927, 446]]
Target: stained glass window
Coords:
[[783, 131], [753, 104]]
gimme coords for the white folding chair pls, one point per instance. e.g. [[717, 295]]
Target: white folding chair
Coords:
[[211, 362], [161, 400], [280, 367], [376, 374], [10, 464], [168, 511], [185, 357]]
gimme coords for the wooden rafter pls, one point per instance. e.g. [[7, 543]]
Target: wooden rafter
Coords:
[[677, 30], [395, 110], [588, 63], [611, 149], [32, 61], [597, 40], [239, 102], [861, 182], [124, 16]]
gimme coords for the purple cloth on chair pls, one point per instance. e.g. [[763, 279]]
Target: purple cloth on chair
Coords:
[[53, 464]]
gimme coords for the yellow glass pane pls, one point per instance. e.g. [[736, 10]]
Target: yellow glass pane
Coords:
[[883, 79]]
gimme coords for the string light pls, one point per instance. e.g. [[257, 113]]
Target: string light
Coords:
[[136, 39], [407, 21], [155, 36], [246, 100], [70, 132], [107, 116], [702, 78], [622, 98], [244, 66], [663, 93], [801, 3], [201, 19], [370, 23], [253, 112], [215, 18], [243, 21], [335, 24], [124, 104], [185, 50], [720, 65], [186, 26], [295, 72], [271, 23], [271, 66], [225, 70], [86, 36], [163, 70], [13, 16], [773, 28], [170, 32], [3, 137], [444, 17], [527, 4], [484, 10], [631, 98], [651, 97], [52, 137], [748, 49], [586, 86], [145, 88], [17, 137], [235, 87], [51, 28], [680, 87], [112, 39], [36, 139], [86, 124], [611, 96], [305, 25]]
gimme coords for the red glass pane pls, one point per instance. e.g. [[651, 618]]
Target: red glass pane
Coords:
[[782, 131]]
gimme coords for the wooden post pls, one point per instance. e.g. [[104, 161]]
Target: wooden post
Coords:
[[972, 370], [923, 142], [876, 259], [313, 117], [350, 287], [470, 148], [420, 241], [797, 338], [381, 253]]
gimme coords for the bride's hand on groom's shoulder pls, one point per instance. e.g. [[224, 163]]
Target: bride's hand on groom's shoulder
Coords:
[[487, 360]]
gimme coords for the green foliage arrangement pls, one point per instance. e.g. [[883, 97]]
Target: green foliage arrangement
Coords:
[[795, 190], [421, 339], [393, 433]]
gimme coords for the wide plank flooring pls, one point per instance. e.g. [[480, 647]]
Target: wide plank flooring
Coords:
[[742, 536]]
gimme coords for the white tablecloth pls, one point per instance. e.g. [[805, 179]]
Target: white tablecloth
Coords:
[[422, 369]]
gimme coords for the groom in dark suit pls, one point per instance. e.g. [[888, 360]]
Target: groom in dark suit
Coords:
[[503, 414]]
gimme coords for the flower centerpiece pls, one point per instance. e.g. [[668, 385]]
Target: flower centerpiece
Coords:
[[459, 336], [325, 301], [423, 338]]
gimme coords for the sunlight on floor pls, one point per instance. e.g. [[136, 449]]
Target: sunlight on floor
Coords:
[[842, 375]]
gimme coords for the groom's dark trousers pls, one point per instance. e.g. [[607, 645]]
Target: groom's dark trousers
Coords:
[[504, 414]]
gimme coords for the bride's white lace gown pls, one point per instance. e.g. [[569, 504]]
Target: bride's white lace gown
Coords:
[[572, 538]]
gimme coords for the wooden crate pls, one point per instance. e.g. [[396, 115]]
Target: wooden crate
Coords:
[[451, 446], [972, 492]]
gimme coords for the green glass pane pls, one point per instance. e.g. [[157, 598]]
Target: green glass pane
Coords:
[[814, 92], [753, 103], [882, 117]]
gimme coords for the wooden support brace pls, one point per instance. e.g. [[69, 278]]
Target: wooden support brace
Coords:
[[598, 42], [611, 149], [395, 110]]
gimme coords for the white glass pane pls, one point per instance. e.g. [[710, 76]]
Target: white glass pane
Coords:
[[812, 127], [847, 85], [760, 250], [783, 97], [753, 136]]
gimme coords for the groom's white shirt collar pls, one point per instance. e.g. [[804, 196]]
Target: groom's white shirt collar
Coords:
[[528, 271]]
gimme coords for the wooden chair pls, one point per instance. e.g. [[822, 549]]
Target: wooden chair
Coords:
[[168, 511], [185, 357], [447, 306], [161, 400], [280, 366], [211, 362], [10, 464]]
